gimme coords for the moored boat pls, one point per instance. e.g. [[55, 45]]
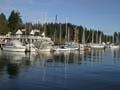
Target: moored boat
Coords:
[[65, 48], [114, 46], [14, 45], [97, 46]]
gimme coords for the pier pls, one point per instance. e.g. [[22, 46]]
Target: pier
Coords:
[[22, 38]]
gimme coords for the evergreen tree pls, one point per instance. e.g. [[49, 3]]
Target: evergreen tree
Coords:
[[3, 24], [14, 21]]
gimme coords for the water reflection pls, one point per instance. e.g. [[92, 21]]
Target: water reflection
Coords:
[[116, 55], [12, 70], [96, 55], [14, 61], [14, 57], [64, 70], [69, 57]]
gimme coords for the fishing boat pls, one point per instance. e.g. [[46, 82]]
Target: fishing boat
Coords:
[[14, 45]]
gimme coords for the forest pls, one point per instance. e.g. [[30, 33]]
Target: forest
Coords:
[[58, 32]]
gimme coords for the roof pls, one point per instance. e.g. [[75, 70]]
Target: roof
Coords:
[[19, 32], [32, 32], [43, 34]]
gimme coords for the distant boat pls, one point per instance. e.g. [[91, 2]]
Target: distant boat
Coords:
[[113, 45], [43, 45], [14, 45], [68, 47], [83, 46], [64, 48], [97, 45]]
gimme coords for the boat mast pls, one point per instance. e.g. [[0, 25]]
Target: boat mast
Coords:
[[76, 35], [83, 37], [45, 23], [100, 39], [113, 39], [60, 32], [92, 36], [66, 32], [55, 28], [97, 37]]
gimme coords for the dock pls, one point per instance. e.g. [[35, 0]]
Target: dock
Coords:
[[22, 38]]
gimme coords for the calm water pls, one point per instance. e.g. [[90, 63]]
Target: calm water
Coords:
[[92, 70]]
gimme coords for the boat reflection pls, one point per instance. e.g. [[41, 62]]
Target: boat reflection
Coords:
[[116, 55], [14, 57], [95, 55], [59, 62]]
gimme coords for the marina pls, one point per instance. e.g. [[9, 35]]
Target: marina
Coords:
[[59, 45]]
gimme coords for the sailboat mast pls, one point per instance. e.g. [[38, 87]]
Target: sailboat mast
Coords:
[[83, 37], [97, 37], [60, 32], [66, 32], [100, 39], [45, 22], [113, 39], [93, 37], [55, 28]]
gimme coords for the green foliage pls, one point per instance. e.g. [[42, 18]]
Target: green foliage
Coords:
[[3, 24], [14, 21], [52, 30]]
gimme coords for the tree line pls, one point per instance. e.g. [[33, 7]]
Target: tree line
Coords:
[[57, 31]]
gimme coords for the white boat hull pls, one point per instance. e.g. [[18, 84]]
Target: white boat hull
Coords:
[[45, 50], [97, 46], [15, 46], [114, 46], [14, 49], [65, 49]]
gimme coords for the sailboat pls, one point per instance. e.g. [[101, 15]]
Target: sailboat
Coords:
[[113, 45], [69, 46], [83, 45], [97, 45]]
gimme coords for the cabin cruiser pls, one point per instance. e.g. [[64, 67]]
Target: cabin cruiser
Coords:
[[14, 45]]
